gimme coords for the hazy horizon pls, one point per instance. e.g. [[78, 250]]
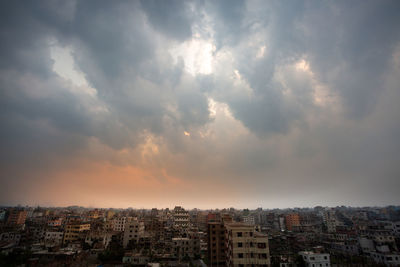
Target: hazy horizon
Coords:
[[208, 103]]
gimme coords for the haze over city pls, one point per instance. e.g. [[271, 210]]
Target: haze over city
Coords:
[[206, 104]]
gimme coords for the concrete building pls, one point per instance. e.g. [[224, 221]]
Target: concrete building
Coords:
[[388, 259], [53, 238], [55, 222], [16, 217], [245, 246], [330, 220], [75, 231], [292, 220], [184, 247], [3, 215], [118, 224], [180, 217], [312, 259], [134, 229], [216, 242], [249, 219], [13, 237]]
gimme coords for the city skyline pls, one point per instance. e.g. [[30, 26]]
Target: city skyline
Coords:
[[202, 104]]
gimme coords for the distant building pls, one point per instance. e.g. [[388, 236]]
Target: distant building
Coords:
[[291, 221], [134, 229], [245, 246], [181, 217], [329, 217], [312, 259], [185, 247], [75, 231], [53, 238], [118, 224], [249, 219], [2, 215], [388, 259], [16, 217]]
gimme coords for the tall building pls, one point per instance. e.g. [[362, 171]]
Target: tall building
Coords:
[[134, 229], [216, 248], [16, 217], [118, 224], [329, 217], [181, 217], [245, 246], [292, 220]]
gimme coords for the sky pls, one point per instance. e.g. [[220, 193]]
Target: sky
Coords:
[[205, 104]]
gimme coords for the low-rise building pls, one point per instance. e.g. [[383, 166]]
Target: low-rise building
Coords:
[[313, 259], [53, 238], [75, 231]]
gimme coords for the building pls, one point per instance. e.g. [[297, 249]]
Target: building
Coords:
[[245, 246], [118, 224], [16, 217], [75, 231], [312, 259], [292, 220], [53, 238], [184, 247], [249, 219], [2, 215], [180, 217], [134, 229], [55, 222], [388, 259], [216, 244], [330, 220]]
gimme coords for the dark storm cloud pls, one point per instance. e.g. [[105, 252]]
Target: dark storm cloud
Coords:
[[272, 63]]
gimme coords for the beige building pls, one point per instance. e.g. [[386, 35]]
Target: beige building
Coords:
[[134, 229], [118, 224], [181, 217], [246, 247]]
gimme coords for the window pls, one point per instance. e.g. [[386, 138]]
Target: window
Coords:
[[261, 245], [239, 234], [240, 244], [240, 255]]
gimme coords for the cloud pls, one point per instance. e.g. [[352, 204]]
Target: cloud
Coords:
[[270, 102]]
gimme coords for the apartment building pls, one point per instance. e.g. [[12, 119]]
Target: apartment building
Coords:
[[312, 259], [246, 247], [185, 247], [53, 238], [292, 220], [134, 229], [16, 217], [180, 217], [75, 231], [216, 245], [118, 224]]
